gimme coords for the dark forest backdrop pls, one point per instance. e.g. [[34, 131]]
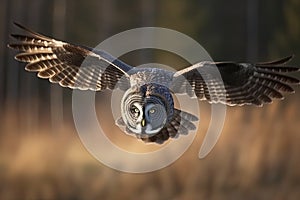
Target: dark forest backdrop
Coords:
[[239, 30]]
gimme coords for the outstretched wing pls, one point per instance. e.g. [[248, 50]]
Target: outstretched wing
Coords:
[[69, 65], [236, 83]]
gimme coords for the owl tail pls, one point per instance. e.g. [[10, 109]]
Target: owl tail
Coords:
[[180, 124]]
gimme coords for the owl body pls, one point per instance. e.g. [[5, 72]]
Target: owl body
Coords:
[[149, 95], [145, 109]]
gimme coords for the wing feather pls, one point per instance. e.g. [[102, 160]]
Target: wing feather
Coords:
[[236, 83], [69, 65]]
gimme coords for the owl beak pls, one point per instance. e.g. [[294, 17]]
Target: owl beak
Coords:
[[143, 122]]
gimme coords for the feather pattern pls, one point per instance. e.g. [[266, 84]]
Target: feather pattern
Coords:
[[69, 65], [236, 83], [180, 124]]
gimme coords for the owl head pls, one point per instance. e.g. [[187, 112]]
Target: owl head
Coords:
[[146, 109]]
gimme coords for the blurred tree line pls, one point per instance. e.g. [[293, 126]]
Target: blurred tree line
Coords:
[[240, 30]]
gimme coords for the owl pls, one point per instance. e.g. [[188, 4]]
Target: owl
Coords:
[[147, 106]]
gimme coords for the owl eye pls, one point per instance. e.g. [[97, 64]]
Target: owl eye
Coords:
[[134, 110], [152, 110]]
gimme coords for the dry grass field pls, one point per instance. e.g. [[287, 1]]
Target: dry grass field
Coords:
[[257, 157]]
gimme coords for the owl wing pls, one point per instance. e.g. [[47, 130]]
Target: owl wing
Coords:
[[69, 65], [236, 83]]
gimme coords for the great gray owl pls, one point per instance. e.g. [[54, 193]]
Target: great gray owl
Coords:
[[147, 107]]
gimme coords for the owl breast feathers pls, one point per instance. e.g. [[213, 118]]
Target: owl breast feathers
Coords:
[[147, 105]]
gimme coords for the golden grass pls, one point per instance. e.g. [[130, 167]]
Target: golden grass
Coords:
[[257, 157]]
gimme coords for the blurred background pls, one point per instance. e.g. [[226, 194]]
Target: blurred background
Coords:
[[257, 156]]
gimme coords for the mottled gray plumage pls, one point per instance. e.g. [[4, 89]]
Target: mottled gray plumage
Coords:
[[147, 105]]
